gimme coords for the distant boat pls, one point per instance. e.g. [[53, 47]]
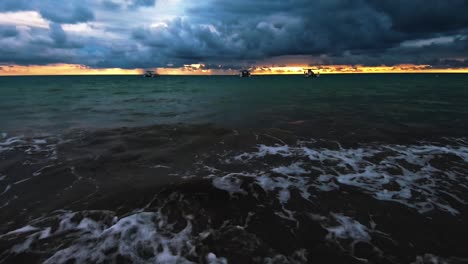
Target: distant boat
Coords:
[[245, 73], [150, 74], [311, 74]]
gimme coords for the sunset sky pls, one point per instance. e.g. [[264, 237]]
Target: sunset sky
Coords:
[[221, 37]]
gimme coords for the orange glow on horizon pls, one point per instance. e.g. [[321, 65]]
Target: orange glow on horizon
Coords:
[[62, 69], [198, 69], [350, 69]]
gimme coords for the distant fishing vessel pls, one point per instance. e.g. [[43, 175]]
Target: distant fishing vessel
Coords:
[[245, 73], [150, 74], [311, 74]]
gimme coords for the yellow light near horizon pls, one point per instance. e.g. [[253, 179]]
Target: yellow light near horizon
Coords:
[[63, 69], [197, 69], [350, 69]]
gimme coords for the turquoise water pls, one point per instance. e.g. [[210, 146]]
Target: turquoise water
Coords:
[[51, 104]]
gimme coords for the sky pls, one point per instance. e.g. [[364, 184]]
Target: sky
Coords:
[[224, 36]]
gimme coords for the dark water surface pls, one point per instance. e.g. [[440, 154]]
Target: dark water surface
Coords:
[[408, 100], [219, 169]]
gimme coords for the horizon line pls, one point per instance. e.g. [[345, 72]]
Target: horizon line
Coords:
[[253, 74], [200, 69]]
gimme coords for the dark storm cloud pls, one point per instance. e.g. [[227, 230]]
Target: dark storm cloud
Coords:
[[231, 34], [66, 11], [298, 27], [463, 63], [57, 33], [184, 41], [424, 16], [40, 46]]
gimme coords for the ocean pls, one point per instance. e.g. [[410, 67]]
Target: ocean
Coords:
[[220, 169]]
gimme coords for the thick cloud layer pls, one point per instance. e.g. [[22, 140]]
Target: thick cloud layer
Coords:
[[55, 11], [231, 34]]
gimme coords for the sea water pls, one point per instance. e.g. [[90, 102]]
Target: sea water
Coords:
[[47, 103], [221, 169]]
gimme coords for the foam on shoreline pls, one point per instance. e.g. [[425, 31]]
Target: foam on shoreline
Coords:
[[410, 175]]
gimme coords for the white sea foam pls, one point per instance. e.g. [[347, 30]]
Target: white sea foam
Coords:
[[404, 174], [8, 143], [39, 171], [23, 180], [24, 229], [38, 150], [11, 141], [211, 258], [283, 185], [410, 175], [143, 237], [39, 141], [348, 228], [430, 259], [264, 151], [293, 169], [30, 146], [231, 183], [347, 232]]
